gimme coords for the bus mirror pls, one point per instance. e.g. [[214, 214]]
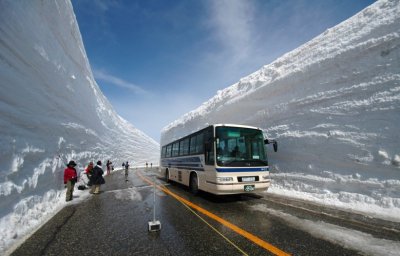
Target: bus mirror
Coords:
[[274, 143], [275, 146]]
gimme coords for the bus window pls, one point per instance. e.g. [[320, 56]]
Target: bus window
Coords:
[[257, 149], [184, 147], [169, 150], [236, 147], [193, 145], [163, 151], [199, 143], [240, 147], [175, 149], [209, 147]]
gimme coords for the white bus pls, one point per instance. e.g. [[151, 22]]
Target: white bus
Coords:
[[221, 159]]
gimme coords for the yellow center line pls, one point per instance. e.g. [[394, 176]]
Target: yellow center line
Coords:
[[219, 233], [227, 224]]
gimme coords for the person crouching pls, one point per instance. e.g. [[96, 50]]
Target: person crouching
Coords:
[[97, 178], [70, 178]]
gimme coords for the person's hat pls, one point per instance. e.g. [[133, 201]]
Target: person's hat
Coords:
[[99, 162], [71, 163]]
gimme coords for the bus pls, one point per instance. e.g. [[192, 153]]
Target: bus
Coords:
[[221, 159]]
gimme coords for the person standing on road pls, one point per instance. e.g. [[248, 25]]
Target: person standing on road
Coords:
[[97, 178], [70, 178], [126, 170], [108, 167]]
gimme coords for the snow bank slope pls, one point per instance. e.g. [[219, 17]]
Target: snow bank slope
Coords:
[[50, 105], [333, 104]]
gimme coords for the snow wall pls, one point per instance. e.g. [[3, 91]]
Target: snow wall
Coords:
[[51, 111], [333, 105]]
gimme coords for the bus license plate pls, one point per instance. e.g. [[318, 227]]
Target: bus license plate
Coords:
[[249, 188], [247, 179]]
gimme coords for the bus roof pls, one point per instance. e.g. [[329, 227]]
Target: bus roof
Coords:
[[237, 125], [214, 125]]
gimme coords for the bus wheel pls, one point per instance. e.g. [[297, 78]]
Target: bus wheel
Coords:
[[194, 187], [167, 176]]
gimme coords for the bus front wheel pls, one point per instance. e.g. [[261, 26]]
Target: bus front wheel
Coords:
[[194, 187], [167, 176]]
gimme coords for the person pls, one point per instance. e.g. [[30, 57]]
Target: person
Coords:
[[126, 170], [89, 170], [235, 152], [147, 165], [97, 178], [108, 167], [70, 178]]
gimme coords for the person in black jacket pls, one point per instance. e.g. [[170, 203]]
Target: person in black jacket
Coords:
[[97, 178], [126, 170]]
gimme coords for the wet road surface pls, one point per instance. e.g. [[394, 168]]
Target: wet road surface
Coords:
[[115, 222]]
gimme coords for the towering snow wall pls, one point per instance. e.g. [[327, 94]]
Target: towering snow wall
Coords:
[[51, 111], [333, 104]]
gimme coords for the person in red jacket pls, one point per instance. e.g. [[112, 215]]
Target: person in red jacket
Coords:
[[89, 170], [70, 178]]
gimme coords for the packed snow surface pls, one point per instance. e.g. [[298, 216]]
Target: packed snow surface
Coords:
[[51, 111], [364, 243], [333, 105]]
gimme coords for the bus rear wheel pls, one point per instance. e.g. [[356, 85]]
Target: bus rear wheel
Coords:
[[194, 187]]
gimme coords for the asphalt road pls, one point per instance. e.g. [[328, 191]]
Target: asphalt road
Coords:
[[115, 222]]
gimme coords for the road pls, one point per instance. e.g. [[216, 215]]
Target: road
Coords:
[[115, 222]]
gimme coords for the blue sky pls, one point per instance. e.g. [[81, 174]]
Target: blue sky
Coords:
[[156, 60]]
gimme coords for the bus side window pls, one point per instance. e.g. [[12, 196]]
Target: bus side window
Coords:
[[209, 147], [184, 147], [175, 149], [193, 145], [163, 151], [199, 143], [169, 150]]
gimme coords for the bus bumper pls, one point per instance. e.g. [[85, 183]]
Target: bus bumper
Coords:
[[238, 188]]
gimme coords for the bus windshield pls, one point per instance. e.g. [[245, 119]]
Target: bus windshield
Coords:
[[240, 147]]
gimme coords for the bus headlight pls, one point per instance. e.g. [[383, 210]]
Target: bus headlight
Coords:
[[224, 179], [265, 177]]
